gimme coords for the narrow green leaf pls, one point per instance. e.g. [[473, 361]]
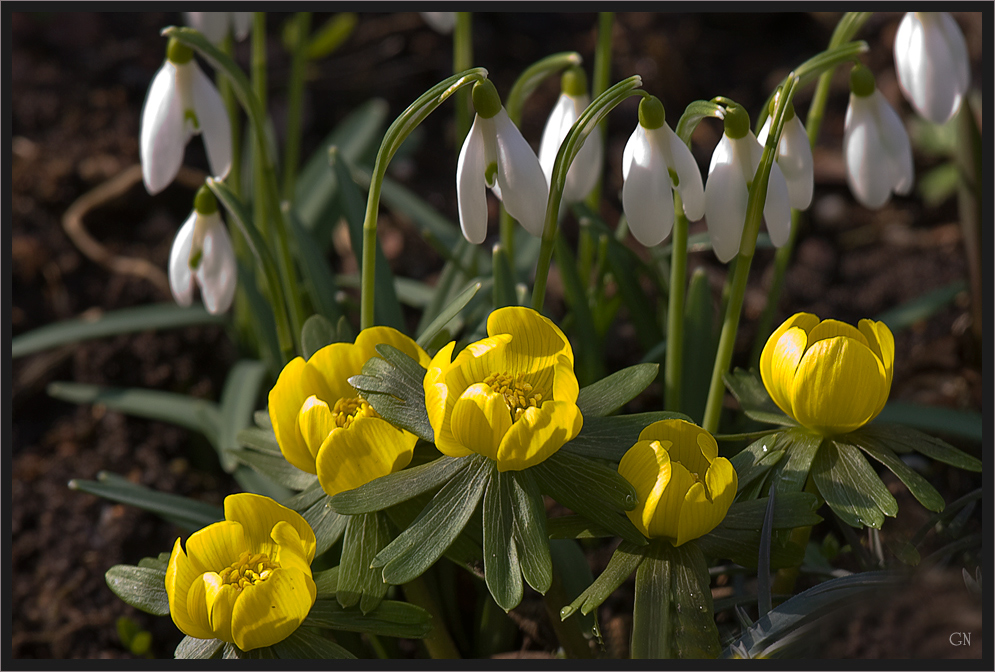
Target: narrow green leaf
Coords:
[[694, 632], [922, 307], [201, 649], [613, 392], [305, 499], [274, 467], [754, 461], [256, 482], [199, 415], [101, 324], [307, 644], [393, 386], [238, 402], [609, 438], [530, 532], [574, 573], [908, 422], [259, 439], [331, 35], [623, 562], [917, 485], [700, 344], [181, 511], [448, 314], [502, 572], [316, 333], [764, 600], [365, 535], [317, 275], [392, 489], [850, 486], [575, 527], [435, 528], [741, 546], [263, 322], [589, 362], [794, 509], [800, 449], [141, 587], [327, 584], [158, 563], [749, 391], [503, 293], [466, 551], [390, 619], [652, 609], [328, 525]]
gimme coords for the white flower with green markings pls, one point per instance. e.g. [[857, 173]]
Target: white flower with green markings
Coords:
[[586, 166], [202, 252], [932, 64]]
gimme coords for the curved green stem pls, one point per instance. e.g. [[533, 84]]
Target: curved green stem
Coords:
[[395, 136], [301, 27], [584, 126], [673, 365], [462, 60]]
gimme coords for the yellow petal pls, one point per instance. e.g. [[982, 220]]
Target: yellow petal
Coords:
[[804, 321], [565, 386], [690, 445], [369, 448], [477, 361], [439, 402], [198, 609], [535, 336], [785, 356], [328, 371], [290, 550], [258, 516], [220, 598], [180, 577], [269, 611], [216, 546], [315, 422], [539, 433], [882, 344], [646, 466], [832, 329], [707, 502], [285, 401], [480, 419], [838, 386], [371, 337], [667, 516]]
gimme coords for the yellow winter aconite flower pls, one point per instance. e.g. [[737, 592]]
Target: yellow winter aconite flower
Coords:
[[511, 397], [322, 425], [247, 579], [684, 487], [829, 376]]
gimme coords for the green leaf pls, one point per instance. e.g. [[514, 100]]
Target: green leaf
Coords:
[[613, 392], [181, 511], [700, 344], [757, 459], [752, 396], [794, 509], [141, 587], [259, 439], [694, 632], [158, 563], [317, 275], [390, 619], [623, 562], [365, 535], [256, 482], [850, 486], [202, 649], [430, 222], [800, 449], [764, 599], [503, 293], [199, 415], [316, 333], [939, 184], [435, 528], [530, 532], [609, 438], [741, 546], [502, 573], [652, 609], [238, 402], [393, 387], [448, 314], [964, 425], [327, 583], [331, 35], [590, 489], [263, 322], [307, 644], [575, 527], [275, 467], [466, 551], [392, 489], [328, 525], [98, 324], [574, 574], [589, 364], [917, 485], [922, 307]]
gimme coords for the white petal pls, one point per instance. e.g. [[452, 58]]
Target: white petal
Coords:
[[214, 25], [217, 274], [242, 23], [689, 185], [441, 22], [794, 156], [163, 137], [647, 197], [870, 183], [932, 64], [214, 123], [725, 201], [523, 186], [180, 276], [585, 169], [561, 118], [897, 149], [470, 194], [777, 208]]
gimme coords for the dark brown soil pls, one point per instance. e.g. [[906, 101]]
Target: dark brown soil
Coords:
[[79, 81]]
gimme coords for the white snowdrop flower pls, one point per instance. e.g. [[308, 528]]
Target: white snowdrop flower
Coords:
[[794, 157], [876, 147], [202, 251], [181, 103], [727, 191], [586, 166], [654, 163], [215, 25], [441, 22], [496, 155], [932, 64]]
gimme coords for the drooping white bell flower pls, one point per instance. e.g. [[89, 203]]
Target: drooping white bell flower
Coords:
[[876, 148], [727, 191], [215, 25], [586, 166], [496, 154], [181, 103], [441, 22], [654, 163], [794, 158], [932, 64], [202, 251]]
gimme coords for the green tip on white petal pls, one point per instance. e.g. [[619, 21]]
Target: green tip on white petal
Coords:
[[486, 100], [789, 114], [204, 202], [177, 52], [861, 81], [574, 81], [737, 122], [651, 113]]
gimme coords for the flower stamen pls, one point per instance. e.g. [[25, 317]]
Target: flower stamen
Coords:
[[348, 409], [519, 395], [248, 570]]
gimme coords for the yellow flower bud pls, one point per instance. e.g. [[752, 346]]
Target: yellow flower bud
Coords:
[[247, 579], [684, 487], [829, 376]]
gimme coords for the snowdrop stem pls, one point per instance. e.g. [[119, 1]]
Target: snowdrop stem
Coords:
[[258, 69], [393, 138], [599, 82], [748, 243], [969, 163], [462, 60], [583, 127], [235, 119], [301, 26], [523, 87], [673, 369]]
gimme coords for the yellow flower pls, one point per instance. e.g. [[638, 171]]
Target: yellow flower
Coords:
[[829, 376], [511, 397], [322, 425], [247, 579], [684, 487]]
